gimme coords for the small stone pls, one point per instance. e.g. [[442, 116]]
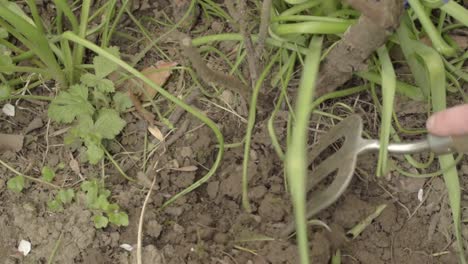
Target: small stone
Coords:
[[2, 184], [205, 220], [174, 211], [114, 236], [186, 152], [183, 179], [212, 189], [178, 228], [217, 26], [221, 238], [206, 233], [153, 228], [231, 186], [276, 188], [272, 208], [257, 192]]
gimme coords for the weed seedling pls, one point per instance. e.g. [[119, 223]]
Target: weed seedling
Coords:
[[104, 212], [93, 106]]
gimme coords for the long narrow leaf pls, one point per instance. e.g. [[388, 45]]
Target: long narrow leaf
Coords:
[[436, 72], [296, 154], [388, 90]]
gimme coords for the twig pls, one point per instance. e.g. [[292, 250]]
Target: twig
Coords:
[[180, 132], [263, 30], [140, 224], [54, 251], [145, 114], [240, 16], [178, 111], [208, 75]]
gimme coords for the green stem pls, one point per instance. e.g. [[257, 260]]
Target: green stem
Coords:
[[312, 27], [296, 155], [439, 44], [28, 177], [248, 135], [79, 50], [109, 156], [457, 11]]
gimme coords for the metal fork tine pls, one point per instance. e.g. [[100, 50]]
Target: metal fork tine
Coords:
[[322, 199], [323, 170]]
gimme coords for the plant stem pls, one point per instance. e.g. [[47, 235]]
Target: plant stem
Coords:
[[28, 177]]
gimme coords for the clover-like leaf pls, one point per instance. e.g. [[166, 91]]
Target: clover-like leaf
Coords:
[[5, 91], [108, 123], [99, 83], [55, 205], [89, 79], [119, 218], [16, 183], [94, 152], [100, 221], [122, 102], [70, 104], [105, 86], [104, 66], [91, 189], [48, 174], [66, 196], [101, 202]]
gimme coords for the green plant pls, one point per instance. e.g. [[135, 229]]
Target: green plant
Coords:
[[94, 107], [63, 197], [104, 212], [26, 38]]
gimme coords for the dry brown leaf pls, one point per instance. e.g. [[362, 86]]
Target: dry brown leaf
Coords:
[[75, 166], [158, 76], [186, 168], [156, 133]]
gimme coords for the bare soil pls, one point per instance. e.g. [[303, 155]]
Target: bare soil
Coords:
[[209, 225]]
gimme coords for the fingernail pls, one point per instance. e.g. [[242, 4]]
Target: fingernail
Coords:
[[430, 123]]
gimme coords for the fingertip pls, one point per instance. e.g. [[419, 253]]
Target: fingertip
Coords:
[[430, 123]]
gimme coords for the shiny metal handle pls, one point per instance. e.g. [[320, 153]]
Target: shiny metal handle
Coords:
[[445, 145], [373, 145], [436, 144]]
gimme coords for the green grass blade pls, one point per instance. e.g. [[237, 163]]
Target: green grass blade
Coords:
[[35, 14], [78, 52], [197, 113], [301, 7], [63, 7], [32, 38], [403, 88], [456, 11], [388, 90], [436, 72], [296, 154], [248, 135]]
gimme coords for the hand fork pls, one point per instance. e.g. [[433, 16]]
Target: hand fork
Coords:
[[343, 161]]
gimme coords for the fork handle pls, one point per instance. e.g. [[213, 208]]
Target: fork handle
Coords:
[[445, 145]]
